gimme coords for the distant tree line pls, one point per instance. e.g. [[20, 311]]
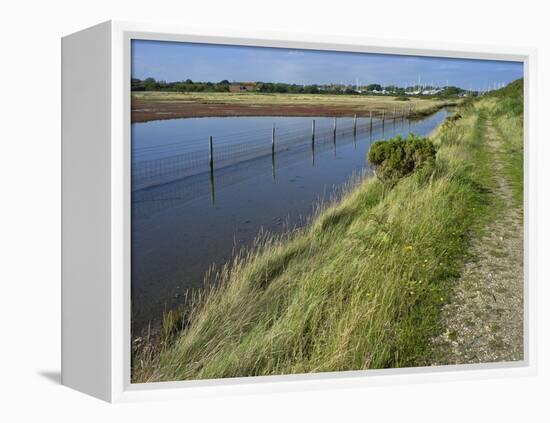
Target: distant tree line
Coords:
[[151, 84], [187, 85]]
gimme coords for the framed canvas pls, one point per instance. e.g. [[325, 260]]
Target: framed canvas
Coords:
[[271, 212]]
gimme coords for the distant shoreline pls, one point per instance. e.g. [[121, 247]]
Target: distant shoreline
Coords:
[[160, 106]]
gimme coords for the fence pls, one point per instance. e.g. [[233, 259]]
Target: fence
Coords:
[[181, 160]]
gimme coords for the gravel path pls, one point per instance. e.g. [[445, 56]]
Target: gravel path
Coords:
[[484, 319]]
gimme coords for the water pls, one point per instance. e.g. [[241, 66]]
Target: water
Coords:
[[182, 226]]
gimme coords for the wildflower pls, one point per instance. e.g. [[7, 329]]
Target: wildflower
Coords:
[[408, 247]]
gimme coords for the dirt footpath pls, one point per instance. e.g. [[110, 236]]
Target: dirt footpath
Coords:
[[484, 320]]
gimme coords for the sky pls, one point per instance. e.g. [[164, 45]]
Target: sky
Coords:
[[177, 61]]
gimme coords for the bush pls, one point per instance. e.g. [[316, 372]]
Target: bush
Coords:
[[453, 117], [398, 157], [449, 124]]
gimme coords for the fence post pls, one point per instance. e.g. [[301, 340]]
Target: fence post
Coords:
[[273, 166], [210, 153], [313, 131], [212, 187], [313, 154], [273, 140], [355, 125], [211, 162], [370, 125]]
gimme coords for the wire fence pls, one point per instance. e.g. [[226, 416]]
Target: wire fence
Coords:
[[147, 202], [179, 160]]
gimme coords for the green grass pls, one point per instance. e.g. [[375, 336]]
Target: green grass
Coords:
[[507, 113], [360, 288]]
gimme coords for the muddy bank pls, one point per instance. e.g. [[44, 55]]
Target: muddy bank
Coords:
[[144, 111]]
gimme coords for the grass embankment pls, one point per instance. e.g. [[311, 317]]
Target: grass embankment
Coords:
[[167, 105]]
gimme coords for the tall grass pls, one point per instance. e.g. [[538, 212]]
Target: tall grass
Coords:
[[360, 288]]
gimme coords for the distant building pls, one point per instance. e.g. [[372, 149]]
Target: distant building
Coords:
[[433, 91], [242, 87]]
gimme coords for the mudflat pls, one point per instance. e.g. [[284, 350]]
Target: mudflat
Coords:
[[147, 106]]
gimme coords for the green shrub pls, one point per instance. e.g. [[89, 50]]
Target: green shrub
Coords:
[[398, 157], [453, 118]]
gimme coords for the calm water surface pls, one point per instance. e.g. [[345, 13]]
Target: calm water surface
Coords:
[[181, 228]]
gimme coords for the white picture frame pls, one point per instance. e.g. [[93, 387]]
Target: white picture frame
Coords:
[[96, 214]]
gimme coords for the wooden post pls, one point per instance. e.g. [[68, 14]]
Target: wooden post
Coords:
[[313, 154], [273, 140], [211, 162], [211, 153], [273, 166], [212, 187], [354, 125], [370, 125], [334, 131], [313, 131], [383, 121]]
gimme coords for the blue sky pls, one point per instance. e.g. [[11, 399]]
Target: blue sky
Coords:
[[176, 61]]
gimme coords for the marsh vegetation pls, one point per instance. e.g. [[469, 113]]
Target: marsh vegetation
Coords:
[[154, 105]]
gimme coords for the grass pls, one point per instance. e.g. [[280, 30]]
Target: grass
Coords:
[[360, 288], [368, 103], [507, 111]]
